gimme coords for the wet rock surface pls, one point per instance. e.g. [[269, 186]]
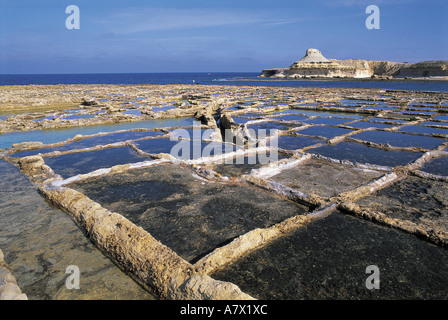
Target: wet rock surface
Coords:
[[9, 290], [325, 179], [39, 242], [242, 166], [327, 259], [421, 201], [188, 215]]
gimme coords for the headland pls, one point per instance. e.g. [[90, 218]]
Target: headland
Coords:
[[315, 65]]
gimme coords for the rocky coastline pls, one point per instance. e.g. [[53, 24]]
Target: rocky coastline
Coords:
[[183, 228], [315, 66]]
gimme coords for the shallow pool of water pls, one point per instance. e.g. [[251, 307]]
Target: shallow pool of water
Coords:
[[53, 136], [292, 117], [341, 114], [356, 152], [328, 121], [289, 142], [39, 242], [397, 139], [91, 142], [368, 124], [270, 126], [434, 123], [241, 165], [423, 130], [324, 131], [397, 121], [442, 117], [79, 116], [356, 101], [84, 162], [438, 166]]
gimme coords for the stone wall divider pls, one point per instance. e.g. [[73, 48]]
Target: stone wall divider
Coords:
[[153, 265]]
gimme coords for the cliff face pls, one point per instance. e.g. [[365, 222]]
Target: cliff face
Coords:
[[314, 65], [385, 67], [424, 69]]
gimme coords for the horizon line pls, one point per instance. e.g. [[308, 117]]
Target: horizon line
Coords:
[[159, 72]]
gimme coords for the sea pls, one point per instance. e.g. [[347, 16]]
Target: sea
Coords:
[[216, 78]]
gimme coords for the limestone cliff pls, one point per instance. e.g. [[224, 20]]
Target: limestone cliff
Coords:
[[315, 65], [424, 69]]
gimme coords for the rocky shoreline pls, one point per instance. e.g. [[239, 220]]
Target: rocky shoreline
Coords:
[[315, 66], [42, 107], [9, 290]]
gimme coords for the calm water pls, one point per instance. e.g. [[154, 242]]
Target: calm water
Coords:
[[218, 78], [53, 136]]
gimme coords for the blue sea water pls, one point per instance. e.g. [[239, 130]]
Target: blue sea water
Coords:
[[213, 78]]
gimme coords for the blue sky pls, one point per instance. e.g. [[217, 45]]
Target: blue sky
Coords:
[[213, 35]]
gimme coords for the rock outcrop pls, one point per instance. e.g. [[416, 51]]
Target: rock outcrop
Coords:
[[9, 290], [424, 69], [315, 65]]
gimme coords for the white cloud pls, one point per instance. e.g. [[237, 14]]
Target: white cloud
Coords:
[[133, 20]]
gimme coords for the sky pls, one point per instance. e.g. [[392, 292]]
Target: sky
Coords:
[[118, 36]]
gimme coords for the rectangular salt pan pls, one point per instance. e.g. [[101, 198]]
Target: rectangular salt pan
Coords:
[[359, 153], [328, 258], [438, 166], [92, 142], [190, 216], [184, 149], [289, 142], [84, 162], [324, 178], [324, 131], [397, 139]]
